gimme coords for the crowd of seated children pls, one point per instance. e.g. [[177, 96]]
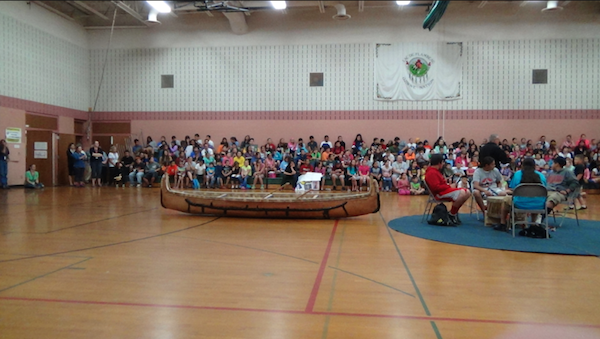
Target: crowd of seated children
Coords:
[[394, 165]]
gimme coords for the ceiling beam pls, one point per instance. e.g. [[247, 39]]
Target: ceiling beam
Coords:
[[89, 9], [53, 10], [91, 28], [321, 6], [130, 11]]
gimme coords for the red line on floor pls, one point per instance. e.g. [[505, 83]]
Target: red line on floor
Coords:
[[258, 310], [315, 290]]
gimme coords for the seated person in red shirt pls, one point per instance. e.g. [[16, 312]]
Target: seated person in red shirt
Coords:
[[305, 167], [442, 191]]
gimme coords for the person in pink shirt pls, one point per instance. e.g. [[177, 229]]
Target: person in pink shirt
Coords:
[[270, 163], [461, 161], [227, 159], [585, 141], [292, 145], [364, 170], [403, 185], [569, 142], [319, 168]]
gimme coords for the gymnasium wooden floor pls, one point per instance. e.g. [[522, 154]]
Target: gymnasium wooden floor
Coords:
[[111, 263]]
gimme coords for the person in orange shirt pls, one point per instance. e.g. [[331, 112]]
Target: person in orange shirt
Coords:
[[325, 154], [172, 171], [410, 155]]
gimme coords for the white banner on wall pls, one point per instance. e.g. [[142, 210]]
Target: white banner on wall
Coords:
[[418, 71]]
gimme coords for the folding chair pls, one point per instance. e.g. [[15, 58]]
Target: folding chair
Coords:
[[473, 206], [529, 191], [570, 202], [431, 201]]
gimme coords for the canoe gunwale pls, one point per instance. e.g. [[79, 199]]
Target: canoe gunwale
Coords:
[[287, 210]]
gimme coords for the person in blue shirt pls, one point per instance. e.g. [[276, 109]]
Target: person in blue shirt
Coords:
[[284, 164], [527, 175], [79, 166], [278, 156]]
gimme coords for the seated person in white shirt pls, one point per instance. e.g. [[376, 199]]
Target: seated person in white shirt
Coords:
[[326, 143], [207, 151], [486, 182]]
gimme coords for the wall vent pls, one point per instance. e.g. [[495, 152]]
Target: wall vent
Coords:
[[316, 80], [539, 76], [166, 81]]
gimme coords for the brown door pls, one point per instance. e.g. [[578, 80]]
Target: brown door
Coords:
[[40, 154], [104, 140], [64, 141]]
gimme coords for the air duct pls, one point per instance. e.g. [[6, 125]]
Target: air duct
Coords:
[[237, 21], [153, 17], [552, 6], [341, 13]]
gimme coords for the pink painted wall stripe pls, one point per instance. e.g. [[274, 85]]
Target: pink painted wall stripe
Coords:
[[350, 115], [37, 107]]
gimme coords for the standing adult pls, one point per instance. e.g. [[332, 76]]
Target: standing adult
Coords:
[[71, 162], [491, 149], [96, 163], [113, 158], [79, 165], [4, 158]]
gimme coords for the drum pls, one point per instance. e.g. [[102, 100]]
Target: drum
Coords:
[[494, 210]]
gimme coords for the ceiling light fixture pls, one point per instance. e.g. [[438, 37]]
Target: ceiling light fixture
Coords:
[[402, 3], [160, 6], [279, 4]]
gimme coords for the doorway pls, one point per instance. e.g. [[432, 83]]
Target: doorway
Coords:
[[40, 151]]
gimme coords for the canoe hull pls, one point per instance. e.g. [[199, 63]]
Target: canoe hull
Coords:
[[340, 205]]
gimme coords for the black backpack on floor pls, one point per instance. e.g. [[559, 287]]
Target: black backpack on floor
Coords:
[[534, 231], [440, 216]]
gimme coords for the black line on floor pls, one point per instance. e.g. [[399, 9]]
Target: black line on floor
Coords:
[[43, 275], [112, 244]]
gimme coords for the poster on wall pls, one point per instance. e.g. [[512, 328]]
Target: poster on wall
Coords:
[[40, 154], [418, 71], [13, 135], [40, 146]]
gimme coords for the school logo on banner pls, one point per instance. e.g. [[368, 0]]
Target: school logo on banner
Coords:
[[418, 65], [418, 71]]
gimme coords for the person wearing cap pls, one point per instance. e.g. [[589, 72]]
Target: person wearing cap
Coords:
[[561, 183], [442, 191], [491, 149]]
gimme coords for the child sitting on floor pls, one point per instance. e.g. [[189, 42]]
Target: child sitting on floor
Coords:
[[403, 185], [415, 186]]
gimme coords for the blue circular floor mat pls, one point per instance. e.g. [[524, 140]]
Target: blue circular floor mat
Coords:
[[568, 239]]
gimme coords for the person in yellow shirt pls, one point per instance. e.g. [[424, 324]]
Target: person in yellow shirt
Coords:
[[239, 158], [245, 172]]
